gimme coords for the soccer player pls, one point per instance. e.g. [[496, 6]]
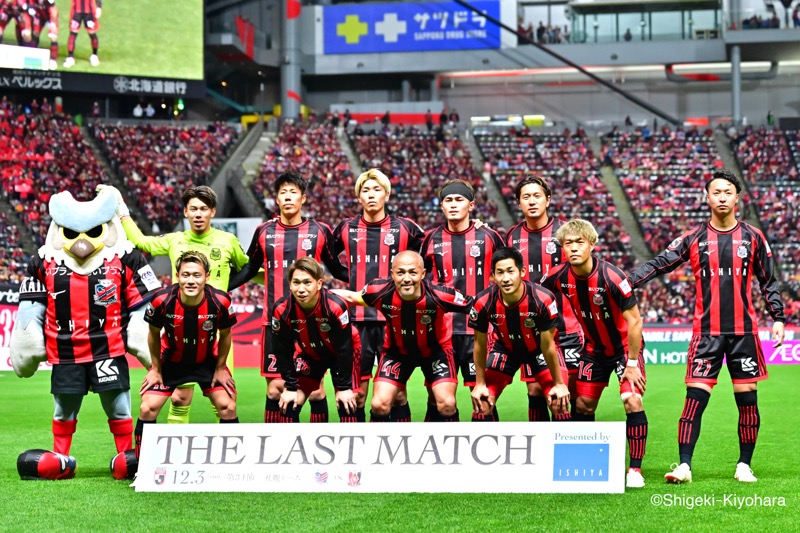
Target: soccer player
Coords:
[[370, 241], [86, 13], [222, 249], [41, 13], [606, 308], [535, 237], [276, 244], [457, 254], [724, 253], [317, 322], [419, 329], [15, 10], [524, 317], [191, 313]]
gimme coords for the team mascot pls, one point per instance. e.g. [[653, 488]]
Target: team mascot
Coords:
[[81, 309]]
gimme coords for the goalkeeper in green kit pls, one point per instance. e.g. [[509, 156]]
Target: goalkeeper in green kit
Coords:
[[223, 250]]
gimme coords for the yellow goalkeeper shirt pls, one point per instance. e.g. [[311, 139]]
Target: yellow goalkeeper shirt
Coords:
[[221, 248]]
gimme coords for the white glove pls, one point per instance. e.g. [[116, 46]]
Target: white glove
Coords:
[[122, 207]]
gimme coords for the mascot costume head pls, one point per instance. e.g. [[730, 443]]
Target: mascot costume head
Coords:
[[81, 310]]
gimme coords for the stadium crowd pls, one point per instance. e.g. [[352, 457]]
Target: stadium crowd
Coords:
[[158, 162], [567, 161], [417, 163], [42, 153]]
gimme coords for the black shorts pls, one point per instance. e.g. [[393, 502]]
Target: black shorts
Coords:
[[372, 336], [594, 372], [87, 19], [167, 390], [269, 362], [568, 346], [464, 354], [743, 354], [396, 368], [98, 376]]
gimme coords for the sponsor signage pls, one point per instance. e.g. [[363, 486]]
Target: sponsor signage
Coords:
[[669, 346], [409, 27], [507, 457]]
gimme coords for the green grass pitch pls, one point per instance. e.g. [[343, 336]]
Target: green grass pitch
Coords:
[[93, 501], [152, 38]]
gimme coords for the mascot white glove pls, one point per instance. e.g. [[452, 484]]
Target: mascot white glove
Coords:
[[27, 339], [137, 337], [122, 207]]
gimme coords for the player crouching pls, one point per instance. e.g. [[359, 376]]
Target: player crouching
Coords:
[[318, 324], [191, 313]]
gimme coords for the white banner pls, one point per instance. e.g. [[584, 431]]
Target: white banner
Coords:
[[505, 457]]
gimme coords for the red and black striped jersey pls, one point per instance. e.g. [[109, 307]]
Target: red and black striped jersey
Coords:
[[723, 264], [87, 316], [190, 333], [369, 248], [85, 7], [275, 246], [541, 252], [599, 301], [517, 328], [419, 327], [324, 334], [462, 261]]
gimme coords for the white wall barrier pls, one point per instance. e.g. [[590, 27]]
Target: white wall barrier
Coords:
[[505, 457]]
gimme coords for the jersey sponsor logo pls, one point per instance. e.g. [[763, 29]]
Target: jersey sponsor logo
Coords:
[[32, 286], [458, 298], [553, 309], [425, 319], [597, 298], [748, 365], [306, 244], [344, 318], [324, 327], [276, 325], [106, 371], [625, 287], [388, 239], [475, 251], [550, 248], [208, 325], [149, 278], [216, 254], [674, 244], [54, 295], [741, 252], [105, 293], [530, 323]]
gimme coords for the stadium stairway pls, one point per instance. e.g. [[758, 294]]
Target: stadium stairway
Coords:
[[111, 176], [728, 157], [624, 211], [26, 241], [347, 149], [249, 169], [503, 212]]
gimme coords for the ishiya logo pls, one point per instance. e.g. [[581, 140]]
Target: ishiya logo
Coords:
[[580, 462]]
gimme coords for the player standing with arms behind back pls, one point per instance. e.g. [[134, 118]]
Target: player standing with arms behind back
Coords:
[[86, 13], [276, 244], [724, 253], [535, 237], [370, 241], [457, 254], [606, 308]]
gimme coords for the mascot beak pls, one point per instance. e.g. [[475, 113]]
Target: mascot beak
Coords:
[[82, 249]]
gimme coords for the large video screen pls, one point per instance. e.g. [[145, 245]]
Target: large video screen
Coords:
[[133, 38]]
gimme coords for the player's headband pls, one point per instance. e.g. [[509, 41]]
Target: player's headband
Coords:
[[456, 188]]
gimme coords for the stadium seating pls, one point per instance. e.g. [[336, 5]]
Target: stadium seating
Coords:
[[568, 163], [314, 149], [418, 162], [13, 258], [157, 162], [40, 154]]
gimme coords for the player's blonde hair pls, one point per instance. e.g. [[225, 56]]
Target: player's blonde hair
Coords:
[[577, 228], [193, 256], [373, 174]]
